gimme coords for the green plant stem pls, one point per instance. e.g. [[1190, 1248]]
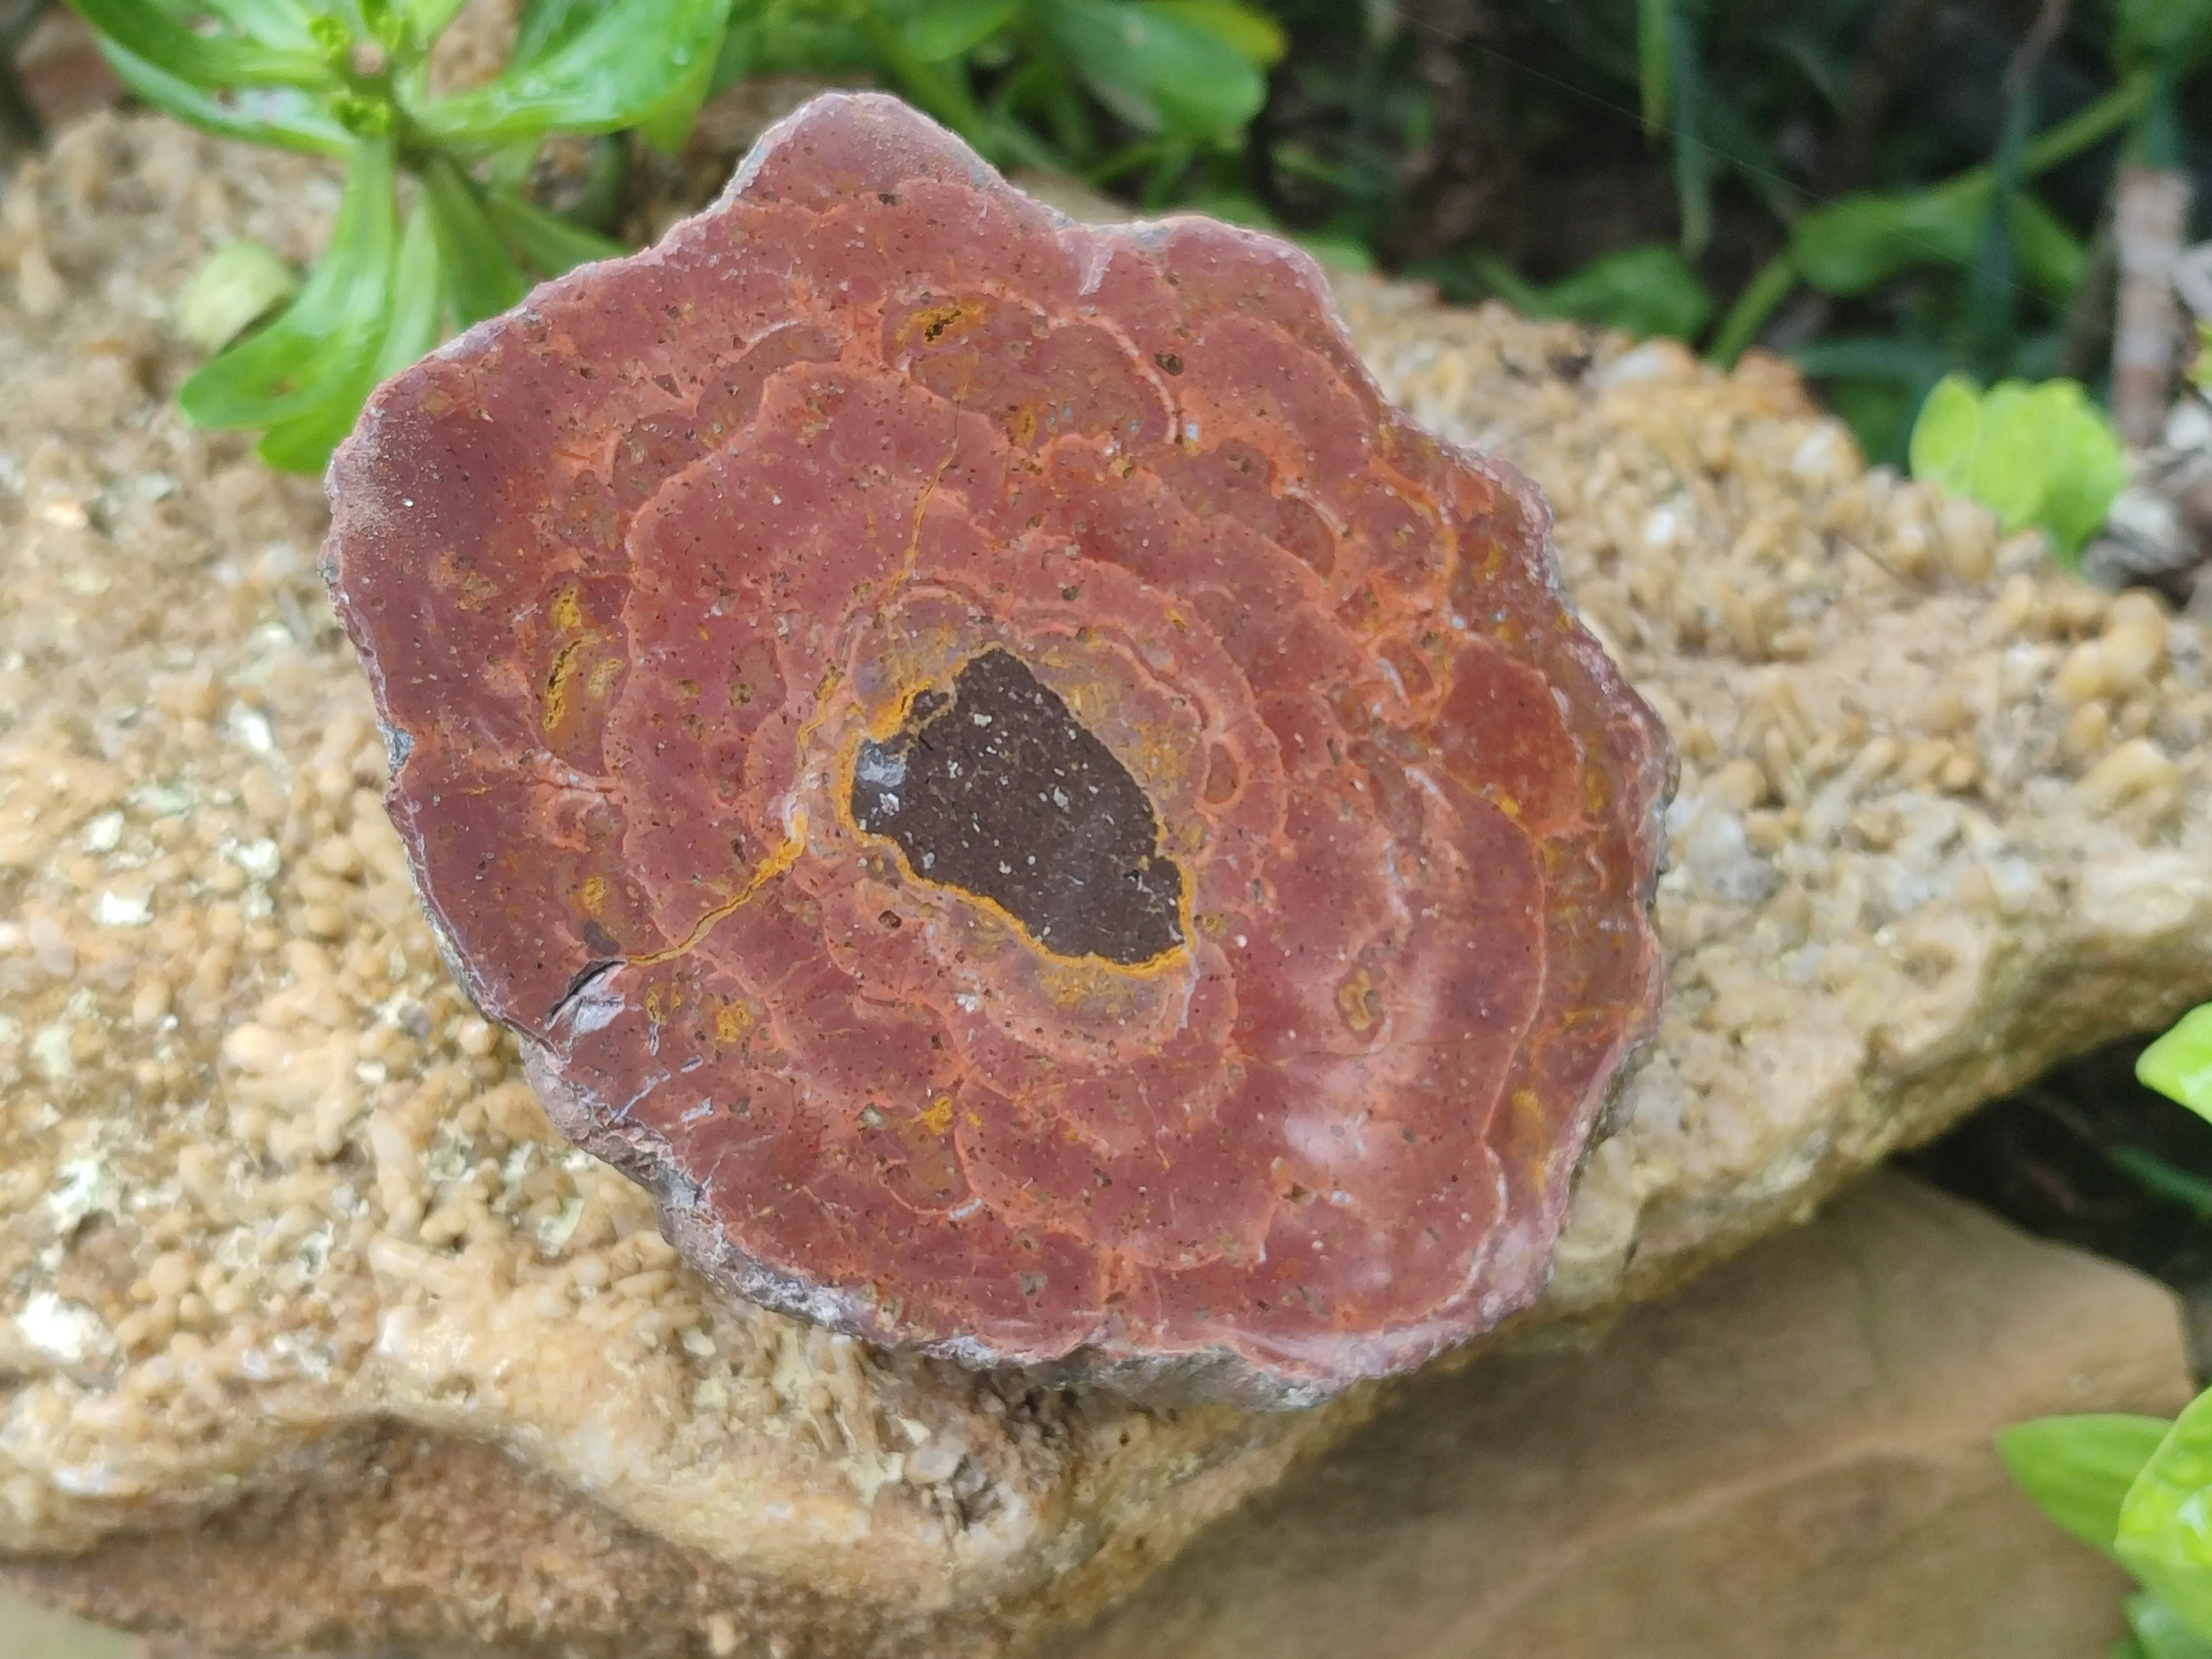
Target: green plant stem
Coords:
[[1652, 22], [2086, 126], [1767, 289]]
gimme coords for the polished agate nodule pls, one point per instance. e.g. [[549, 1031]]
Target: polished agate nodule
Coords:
[[984, 765]]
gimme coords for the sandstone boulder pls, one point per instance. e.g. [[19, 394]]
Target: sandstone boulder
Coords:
[[1793, 1456], [289, 1250]]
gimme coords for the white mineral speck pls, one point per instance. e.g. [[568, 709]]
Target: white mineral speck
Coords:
[[124, 910], [63, 1331], [50, 1052], [250, 727], [85, 1187], [104, 834], [260, 859]]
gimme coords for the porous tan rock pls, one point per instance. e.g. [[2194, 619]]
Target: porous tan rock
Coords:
[[272, 1191], [1793, 1456]]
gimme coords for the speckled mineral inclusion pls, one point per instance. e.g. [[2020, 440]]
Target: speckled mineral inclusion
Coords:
[[995, 789]]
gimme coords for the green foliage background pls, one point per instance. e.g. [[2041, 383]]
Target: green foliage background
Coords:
[[1887, 191]]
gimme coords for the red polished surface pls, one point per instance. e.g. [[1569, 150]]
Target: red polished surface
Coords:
[[635, 571]]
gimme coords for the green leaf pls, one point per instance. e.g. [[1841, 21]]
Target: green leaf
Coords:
[[303, 444], [2166, 1523], [2179, 1065], [628, 62], [2039, 455], [2158, 1632], [1156, 71], [274, 115], [282, 23], [203, 60], [324, 339], [2161, 32], [668, 124], [1255, 37], [1647, 289], [548, 243], [480, 280], [951, 28], [2161, 1179], [2050, 258], [236, 287], [427, 19], [2078, 1469], [1864, 240], [548, 24], [417, 293]]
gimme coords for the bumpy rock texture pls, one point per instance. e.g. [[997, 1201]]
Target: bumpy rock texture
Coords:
[[284, 1238], [991, 770]]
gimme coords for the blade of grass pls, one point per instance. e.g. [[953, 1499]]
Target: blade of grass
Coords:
[[1767, 290], [1653, 23], [1694, 165]]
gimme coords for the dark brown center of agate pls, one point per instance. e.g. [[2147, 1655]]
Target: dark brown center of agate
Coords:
[[995, 789]]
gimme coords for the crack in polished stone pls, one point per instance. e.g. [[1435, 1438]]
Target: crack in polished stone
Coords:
[[996, 789]]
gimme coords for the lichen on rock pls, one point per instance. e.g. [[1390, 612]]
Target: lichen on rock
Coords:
[[987, 765]]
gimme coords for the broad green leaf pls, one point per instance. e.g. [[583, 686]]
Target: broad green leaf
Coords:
[[2158, 1632], [270, 115], [668, 124], [950, 29], [1157, 72], [2033, 454], [548, 24], [548, 243], [236, 287], [627, 63], [281, 23], [1947, 433], [1257, 38], [303, 444], [201, 60], [2084, 464], [2078, 1469], [2166, 1523], [327, 337], [480, 280], [1648, 290], [2180, 1064]]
